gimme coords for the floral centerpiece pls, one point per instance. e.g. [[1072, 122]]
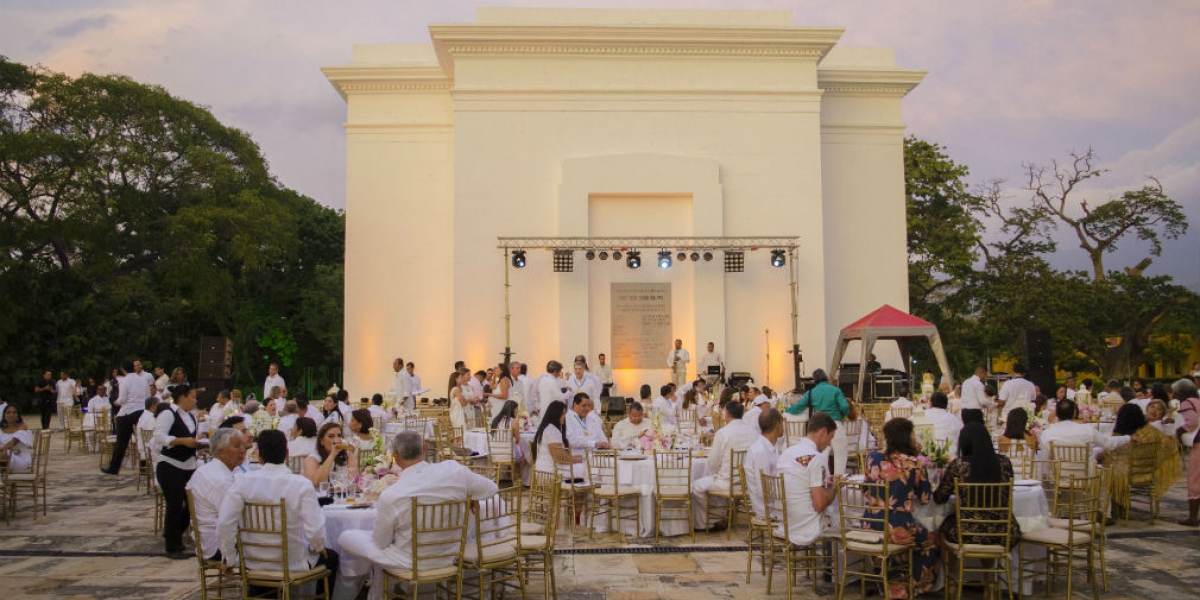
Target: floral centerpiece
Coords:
[[935, 454], [660, 436], [1089, 412], [526, 422]]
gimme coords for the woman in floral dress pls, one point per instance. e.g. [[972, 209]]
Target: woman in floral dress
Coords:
[[908, 486]]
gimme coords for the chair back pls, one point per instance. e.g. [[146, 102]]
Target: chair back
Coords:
[[378, 423], [568, 469], [863, 511], [1023, 458], [75, 419], [541, 506], [673, 475], [41, 452], [296, 464], [147, 445], [1143, 465], [498, 525], [439, 533], [500, 445], [984, 513], [737, 481], [774, 497], [602, 468], [101, 422], [1070, 459], [793, 430], [201, 552], [262, 539], [853, 431], [688, 421], [902, 412], [1079, 498], [874, 415]]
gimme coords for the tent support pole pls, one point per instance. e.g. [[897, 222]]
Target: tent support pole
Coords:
[[797, 358]]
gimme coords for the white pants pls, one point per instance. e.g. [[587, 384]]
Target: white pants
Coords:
[[64, 413], [700, 489], [360, 557], [679, 377], [839, 449]]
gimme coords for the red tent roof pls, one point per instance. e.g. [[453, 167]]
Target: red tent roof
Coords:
[[887, 316]]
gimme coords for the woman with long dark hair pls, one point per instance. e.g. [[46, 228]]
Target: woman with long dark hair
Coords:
[[899, 468], [332, 452], [16, 439], [551, 434], [507, 419], [1016, 429], [977, 462]]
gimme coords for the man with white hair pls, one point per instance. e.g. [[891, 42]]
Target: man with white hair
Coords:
[[210, 483], [389, 546]]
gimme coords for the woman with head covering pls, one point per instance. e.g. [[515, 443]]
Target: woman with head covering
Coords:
[[977, 462]]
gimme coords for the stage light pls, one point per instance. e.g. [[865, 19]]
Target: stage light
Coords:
[[634, 260], [682, 256], [591, 254], [564, 261], [664, 260], [518, 259], [778, 258], [695, 256], [707, 256], [616, 255], [603, 255], [735, 261]]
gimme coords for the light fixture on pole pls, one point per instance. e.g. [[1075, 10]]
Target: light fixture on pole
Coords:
[[564, 261], [664, 260], [518, 259], [735, 261], [778, 258], [634, 260]]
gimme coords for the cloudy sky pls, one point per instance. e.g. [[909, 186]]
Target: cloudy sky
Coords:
[[1009, 82]]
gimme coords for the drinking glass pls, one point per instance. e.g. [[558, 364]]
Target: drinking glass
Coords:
[[324, 487]]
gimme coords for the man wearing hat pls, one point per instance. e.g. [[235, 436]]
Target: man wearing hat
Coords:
[[829, 399], [756, 408]]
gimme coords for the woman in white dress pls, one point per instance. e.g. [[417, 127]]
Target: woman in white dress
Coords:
[[458, 415], [551, 434], [360, 429], [303, 438], [16, 440]]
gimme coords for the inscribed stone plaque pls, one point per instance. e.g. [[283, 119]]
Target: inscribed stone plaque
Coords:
[[641, 325]]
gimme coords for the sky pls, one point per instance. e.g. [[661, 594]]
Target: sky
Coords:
[[1009, 83]]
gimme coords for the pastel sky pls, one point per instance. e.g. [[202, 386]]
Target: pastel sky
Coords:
[[1009, 82]]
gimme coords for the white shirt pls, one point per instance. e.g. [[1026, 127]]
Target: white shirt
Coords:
[[604, 372], [95, 405], [590, 385], [287, 422], [974, 395], [270, 382], [664, 407], [751, 418], [146, 422], [1017, 392], [1075, 433], [133, 393], [945, 426], [547, 388], [440, 482], [625, 432], [684, 359], [65, 390], [761, 457], [377, 412], [707, 359], [219, 412], [314, 413], [402, 385], [302, 446], [148, 378], [163, 438], [306, 522], [161, 384], [735, 435], [545, 462], [584, 432], [803, 468], [208, 485]]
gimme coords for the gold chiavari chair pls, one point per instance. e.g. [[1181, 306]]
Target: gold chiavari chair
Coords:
[[262, 539], [500, 454], [1098, 521], [1080, 505], [575, 485], [902, 412], [142, 457], [439, 534], [495, 555], [1143, 478], [1022, 456], [865, 536], [673, 486], [214, 583], [983, 513], [733, 497], [796, 559], [758, 534], [1067, 460], [875, 415], [101, 425], [74, 430], [793, 430], [296, 464], [539, 526], [688, 421], [853, 432], [35, 478], [608, 494], [106, 441]]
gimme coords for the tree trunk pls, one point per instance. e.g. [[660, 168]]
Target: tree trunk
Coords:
[[1121, 361]]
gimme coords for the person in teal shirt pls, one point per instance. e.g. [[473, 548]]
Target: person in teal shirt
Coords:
[[824, 397], [829, 399]]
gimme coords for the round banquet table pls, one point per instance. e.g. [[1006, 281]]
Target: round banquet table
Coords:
[[476, 440], [639, 473]]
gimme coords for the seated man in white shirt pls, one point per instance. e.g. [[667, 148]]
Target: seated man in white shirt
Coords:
[[147, 422], [389, 546], [1069, 432], [304, 408], [901, 402], [628, 431], [945, 424], [811, 492], [735, 435], [376, 409], [757, 406], [584, 433], [96, 405], [305, 521], [761, 457], [210, 483], [663, 405]]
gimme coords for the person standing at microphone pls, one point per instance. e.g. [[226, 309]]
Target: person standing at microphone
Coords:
[[678, 361]]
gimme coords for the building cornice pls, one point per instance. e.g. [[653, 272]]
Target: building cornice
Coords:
[[451, 41], [386, 79], [868, 82]]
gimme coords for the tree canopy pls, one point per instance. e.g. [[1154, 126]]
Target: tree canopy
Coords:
[[979, 264], [135, 222]]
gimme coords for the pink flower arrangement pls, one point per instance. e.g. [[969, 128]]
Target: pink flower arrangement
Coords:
[[653, 440], [1089, 412]]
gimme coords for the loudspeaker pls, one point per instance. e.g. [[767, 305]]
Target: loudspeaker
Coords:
[[206, 395], [216, 358], [1039, 359]]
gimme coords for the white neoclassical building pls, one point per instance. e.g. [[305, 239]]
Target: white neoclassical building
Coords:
[[588, 123]]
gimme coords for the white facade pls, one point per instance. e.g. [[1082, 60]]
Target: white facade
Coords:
[[536, 122]]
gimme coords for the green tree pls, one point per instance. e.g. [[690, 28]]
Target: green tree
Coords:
[[135, 222]]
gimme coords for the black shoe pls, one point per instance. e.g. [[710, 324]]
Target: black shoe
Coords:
[[108, 471], [178, 555]]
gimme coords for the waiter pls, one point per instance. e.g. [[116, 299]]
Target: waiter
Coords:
[[677, 362]]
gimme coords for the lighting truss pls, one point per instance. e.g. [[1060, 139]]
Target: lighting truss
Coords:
[[689, 244]]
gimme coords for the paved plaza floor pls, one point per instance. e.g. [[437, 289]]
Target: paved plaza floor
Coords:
[[97, 541]]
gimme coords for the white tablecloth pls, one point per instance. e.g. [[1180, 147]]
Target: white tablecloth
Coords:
[[640, 474], [1030, 507], [339, 518], [476, 440]]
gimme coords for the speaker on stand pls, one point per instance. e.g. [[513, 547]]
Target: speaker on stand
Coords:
[[215, 372], [1039, 359]]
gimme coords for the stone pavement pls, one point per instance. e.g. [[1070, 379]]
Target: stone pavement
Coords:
[[97, 541]]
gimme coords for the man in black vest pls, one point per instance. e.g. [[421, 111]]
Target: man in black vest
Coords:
[[175, 434]]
